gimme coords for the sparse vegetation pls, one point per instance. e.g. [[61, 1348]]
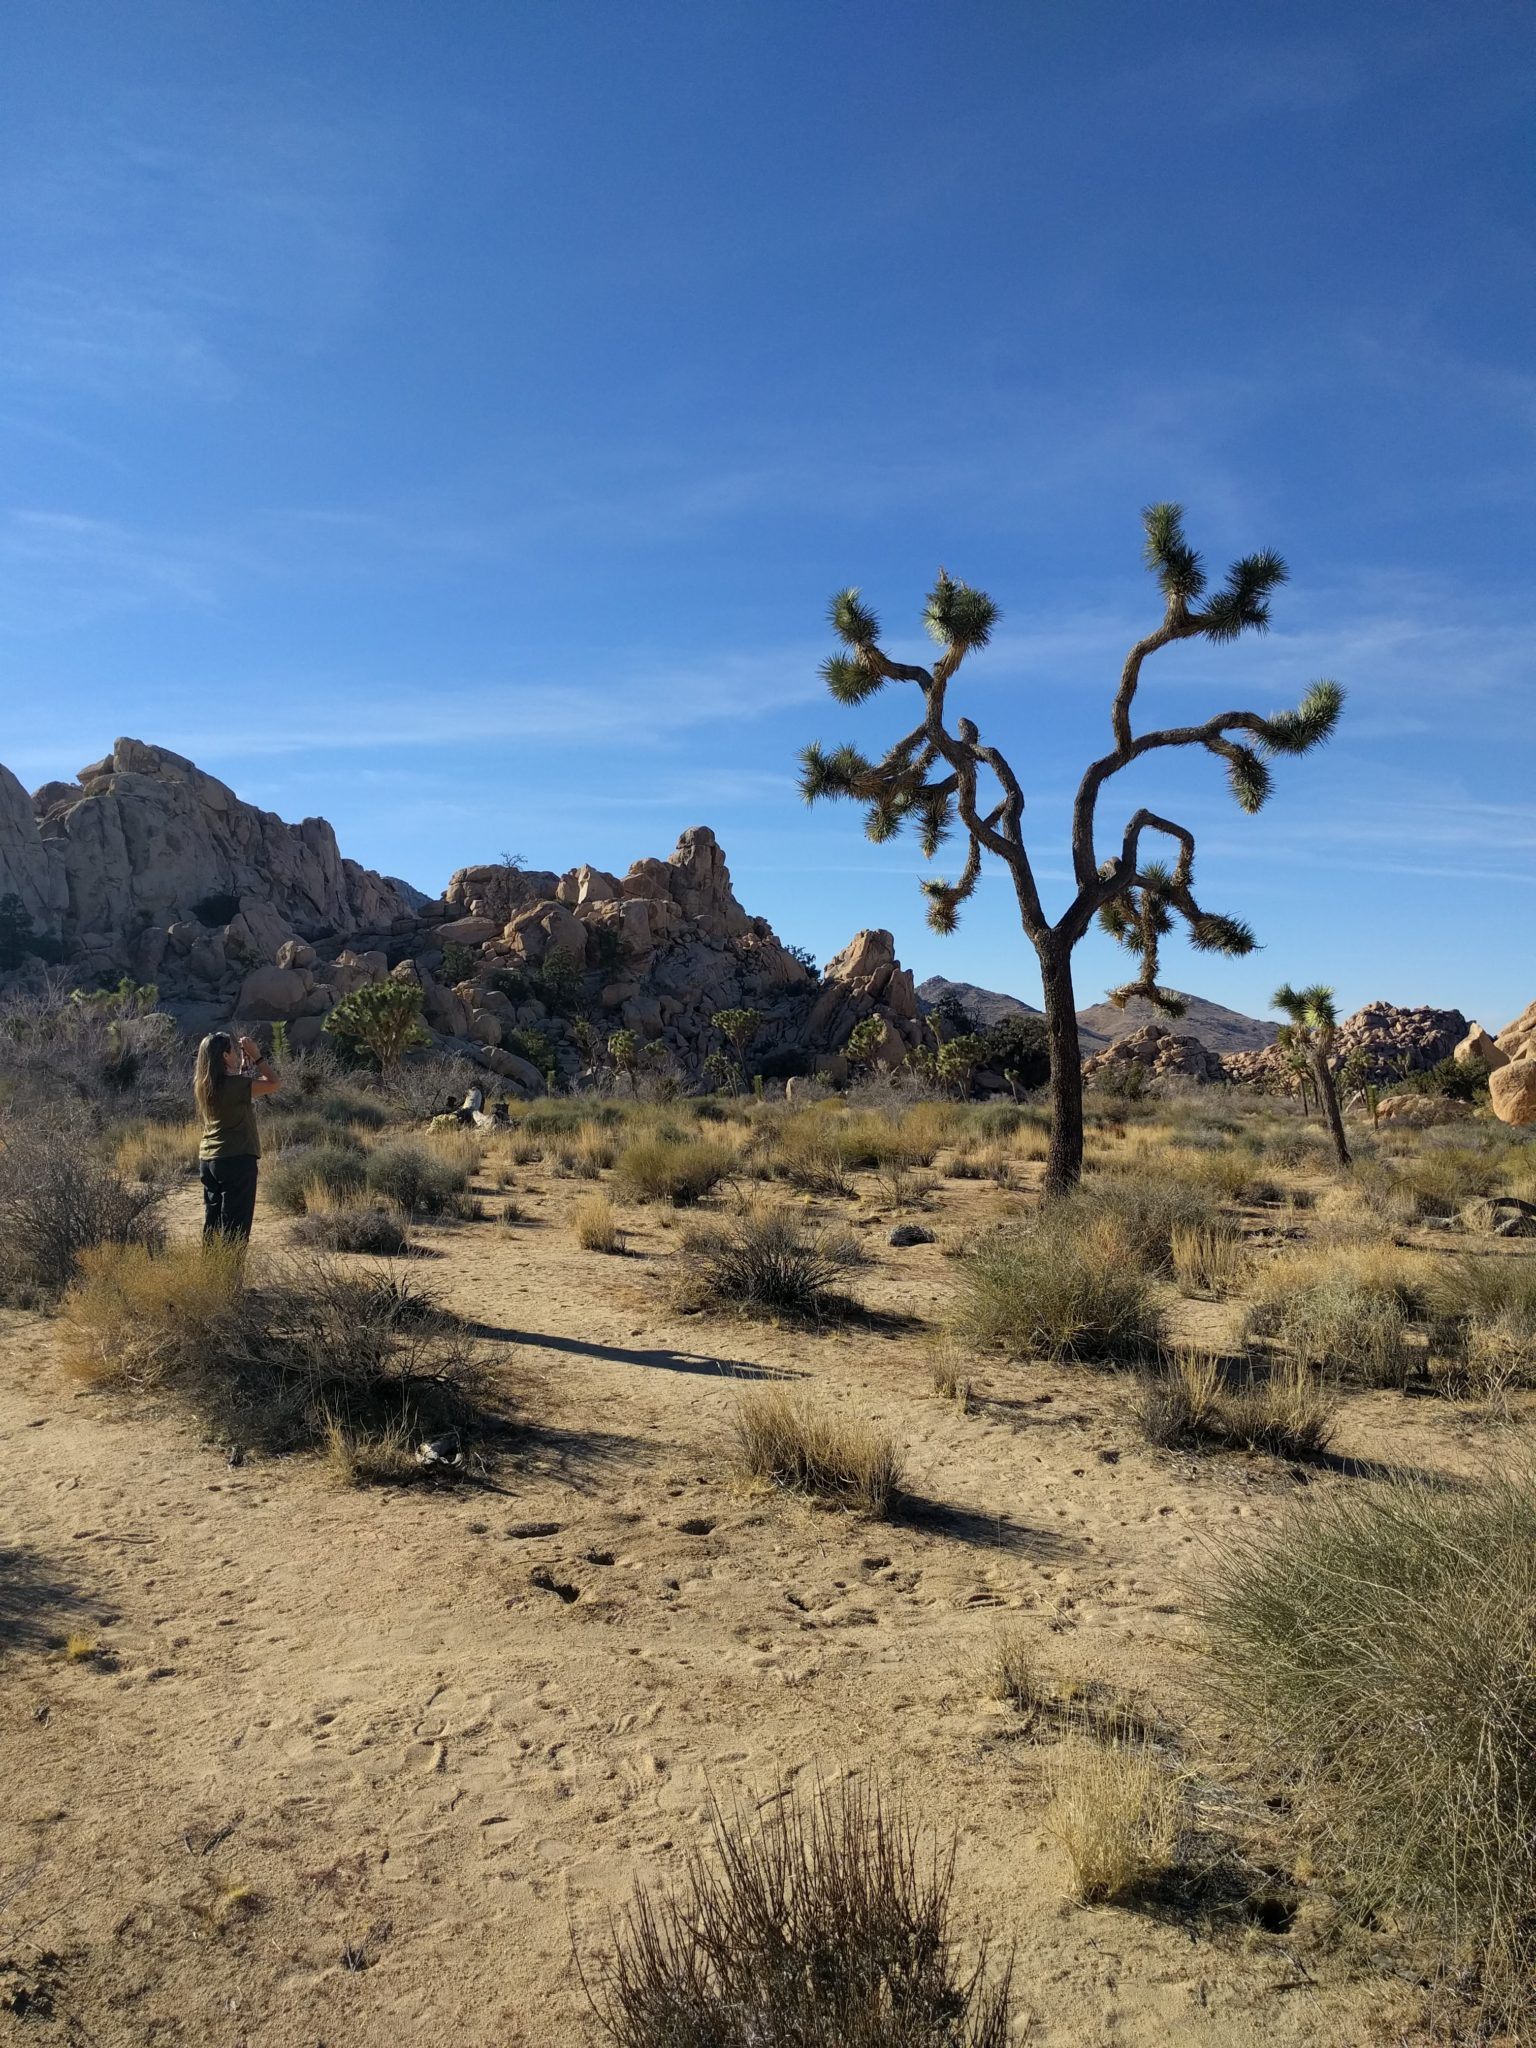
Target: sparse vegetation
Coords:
[[58, 1200], [594, 1225], [1192, 1401]]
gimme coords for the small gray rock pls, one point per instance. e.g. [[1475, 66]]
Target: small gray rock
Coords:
[[910, 1233]]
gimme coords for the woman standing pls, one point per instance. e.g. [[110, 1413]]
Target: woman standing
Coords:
[[226, 1080]]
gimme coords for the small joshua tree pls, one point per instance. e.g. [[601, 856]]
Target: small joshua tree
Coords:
[[1314, 1029], [624, 1051], [383, 1017], [739, 1027], [934, 775], [959, 1058], [864, 1043]]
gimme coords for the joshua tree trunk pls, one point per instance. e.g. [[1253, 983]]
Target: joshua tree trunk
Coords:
[[1328, 1096], [1064, 1162]]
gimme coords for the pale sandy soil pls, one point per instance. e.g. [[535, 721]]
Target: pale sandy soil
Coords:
[[361, 1708]]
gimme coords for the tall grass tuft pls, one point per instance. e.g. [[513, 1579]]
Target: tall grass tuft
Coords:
[[802, 1445], [1115, 1811], [1065, 1285], [676, 1170], [1386, 1642], [767, 1260]]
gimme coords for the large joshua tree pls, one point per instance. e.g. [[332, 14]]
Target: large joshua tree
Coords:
[[942, 771], [1313, 1032]]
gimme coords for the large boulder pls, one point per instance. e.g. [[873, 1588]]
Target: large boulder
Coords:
[[1517, 1041], [1513, 1090], [273, 993], [1163, 1053], [30, 866], [1480, 1049], [465, 931]]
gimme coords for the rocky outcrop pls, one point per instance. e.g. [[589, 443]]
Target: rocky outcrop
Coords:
[[148, 866], [1394, 1042], [1163, 1053], [1512, 1085], [1479, 1049]]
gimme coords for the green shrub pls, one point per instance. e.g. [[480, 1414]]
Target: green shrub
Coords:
[[1146, 1209], [366, 1227], [415, 1177], [675, 1170], [337, 1169], [1385, 1640], [1064, 1285], [1349, 1315]]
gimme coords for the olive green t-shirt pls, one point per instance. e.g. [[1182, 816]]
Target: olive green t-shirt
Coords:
[[230, 1132]]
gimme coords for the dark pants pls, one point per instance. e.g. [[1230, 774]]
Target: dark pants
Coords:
[[229, 1197]]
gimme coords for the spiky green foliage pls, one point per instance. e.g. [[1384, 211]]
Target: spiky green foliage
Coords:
[[1312, 722], [1248, 779], [958, 615], [1212, 933], [1309, 1009], [1169, 555], [852, 619], [1242, 604], [849, 679]]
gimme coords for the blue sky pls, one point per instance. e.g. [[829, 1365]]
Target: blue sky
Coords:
[[453, 420]]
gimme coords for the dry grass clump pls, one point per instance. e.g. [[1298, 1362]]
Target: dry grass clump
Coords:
[[271, 1363], [797, 1443], [421, 1176], [1348, 1312], [676, 1170], [766, 1260], [1146, 1205], [825, 1924], [1115, 1811], [1385, 1641], [160, 1153], [322, 1174], [1483, 1317], [372, 1457], [1207, 1258], [1066, 1284], [1192, 1402], [57, 1201], [595, 1226]]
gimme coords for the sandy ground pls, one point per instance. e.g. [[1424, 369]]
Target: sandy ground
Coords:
[[364, 1767]]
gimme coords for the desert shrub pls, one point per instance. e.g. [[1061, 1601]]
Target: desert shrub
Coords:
[[353, 1226], [1191, 1402], [823, 1924], [1349, 1313], [802, 1445], [1440, 1179], [108, 1056], [678, 1170], [293, 1125], [301, 1171], [1062, 1285], [1207, 1258], [58, 1200], [1385, 1640], [348, 1106], [1483, 1318], [765, 1260], [273, 1363], [1115, 1811], [595, 1226], [420, 1178]]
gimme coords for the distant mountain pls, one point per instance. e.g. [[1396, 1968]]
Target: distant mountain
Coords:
[[984, 1004], [1217, 1028]]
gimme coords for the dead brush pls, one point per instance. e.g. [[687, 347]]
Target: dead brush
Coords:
[[817, 1922], [805, 1447], [58, 1201]]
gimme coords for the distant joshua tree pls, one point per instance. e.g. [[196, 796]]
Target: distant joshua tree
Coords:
[[1313, 1031], [932, 775]]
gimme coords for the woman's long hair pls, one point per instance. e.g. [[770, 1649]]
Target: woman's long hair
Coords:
[[210, 1068]]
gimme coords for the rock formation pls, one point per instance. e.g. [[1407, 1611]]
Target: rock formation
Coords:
[[1162, 1052], [146, 866], [1394, 1041], [1512, 1080]]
